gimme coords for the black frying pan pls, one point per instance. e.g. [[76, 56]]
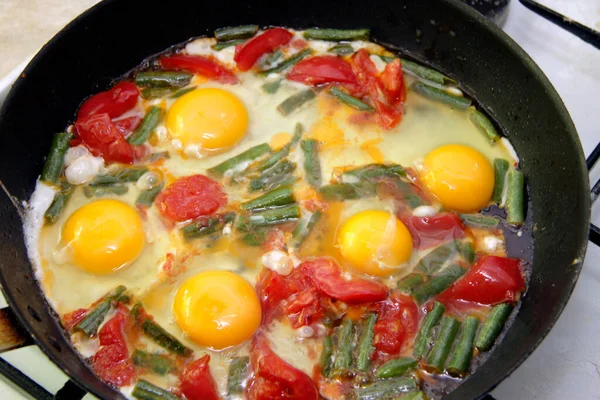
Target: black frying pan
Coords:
[[115, 36]]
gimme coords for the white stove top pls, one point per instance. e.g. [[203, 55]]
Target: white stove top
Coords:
[[567, 363]]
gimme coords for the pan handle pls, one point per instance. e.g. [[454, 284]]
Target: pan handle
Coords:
[[590, 162]]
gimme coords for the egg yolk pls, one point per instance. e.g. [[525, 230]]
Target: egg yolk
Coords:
[[210, 118], [217, 309], [459, 176], [375, 242], [104, 236]]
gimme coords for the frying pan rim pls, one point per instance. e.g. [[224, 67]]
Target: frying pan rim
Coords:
[[468, 13]]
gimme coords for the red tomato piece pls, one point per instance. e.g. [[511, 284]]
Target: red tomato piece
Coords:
[[202, 65], [272, 289], [71, 319], [366, 72], [397, 323], [491, 280], [114, 102], [274, 378], [127, 125], [102, 137], [196, 381], [111, 362], [322, 70], [429, 232], [191, 197], [264, 43], [392, 81]]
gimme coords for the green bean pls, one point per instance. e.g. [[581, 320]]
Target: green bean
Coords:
[[164, 339], [123, 175], [154, 93], [295, 101], [272, 87], [161, 79], [375, 171], [312, 166], [483, 123], [426, 73], [94, 317], [288, 62], [438, 283], [302, 231], [480, 221], [515, 198], [460, 359], [149, 123], [256, 238], [157, 363], [350, 100], [413, 396], [236, 32], [56, 158], [337, 35], [223, 45], [492, 327], [206, 226], [441, 347], [238, 369], [500, 170], [279, 175], [284, 151], [386, 389], [467, 251], [347, 191], [136, 312], [435, 259], [326, 357], [104, 189], [341, 49], [146, 197], [61, 198], [424, 336], [344, 348], [410, 282], [181, 92], [244, 157], [272, 58], [458, 102], [145, 390], [365, 342], [397, 367], [275, 216], [274, 198]]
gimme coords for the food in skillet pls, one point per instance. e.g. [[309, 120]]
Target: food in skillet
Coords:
[[280, 214]]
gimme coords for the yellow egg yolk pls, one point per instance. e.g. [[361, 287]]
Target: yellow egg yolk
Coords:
[[375, 242], [104, 236], [211, 118], [459, 176], [217, 309]]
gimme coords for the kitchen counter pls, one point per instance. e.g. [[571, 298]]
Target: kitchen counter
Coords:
[[567, 363]]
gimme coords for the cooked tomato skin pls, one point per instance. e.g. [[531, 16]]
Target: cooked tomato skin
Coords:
[[397, 323], [103, 138], [491, 280], [190, 197], [247, 54], [202, 65], [111, 362], [432, 231], [274, 378], [196, 381], [73, 318], [114, 102], [127, 125], [321, 70]]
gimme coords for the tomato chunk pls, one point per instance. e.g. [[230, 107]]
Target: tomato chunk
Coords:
[[127, 125], [114, 102], [71, 319], [321, 70], [251, 51], [191, 197], [202, 65], [397, 323], [429, 232], [103, 138], [274, 378], [111, 362], [491, 280], [196, 381]]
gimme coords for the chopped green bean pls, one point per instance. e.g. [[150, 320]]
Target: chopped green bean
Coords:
[[236, 32], [312, 165], [283, 152], [256, 238], [337, 35], [480, 221], [136, 312], [375, 171], [365, 342], [164, 338], [94, 317], [162, 79], [347, 191], [341, 49], [441, 347], [435, 259], [272, 58], [350, 100], [145, 390], [483, 123], [148, 125], [500, 170], [515, 198], [243, 158], [272, 87], [181, 92], [386, 389], [285, 64], [458, 102], [146, 197], [426, 73], [410, 282], [396, 367], [460, 359], [296, 101], [302, 231], [274, 198], [56, 157], [159, 364], [344, 348], [205, 226], [466, 250], [326, 357], [492, 327], [223, 45], [438, 283], [154, 93], [424, 337], [238, 370], [61, 198], [278, 176], [274, 216]]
